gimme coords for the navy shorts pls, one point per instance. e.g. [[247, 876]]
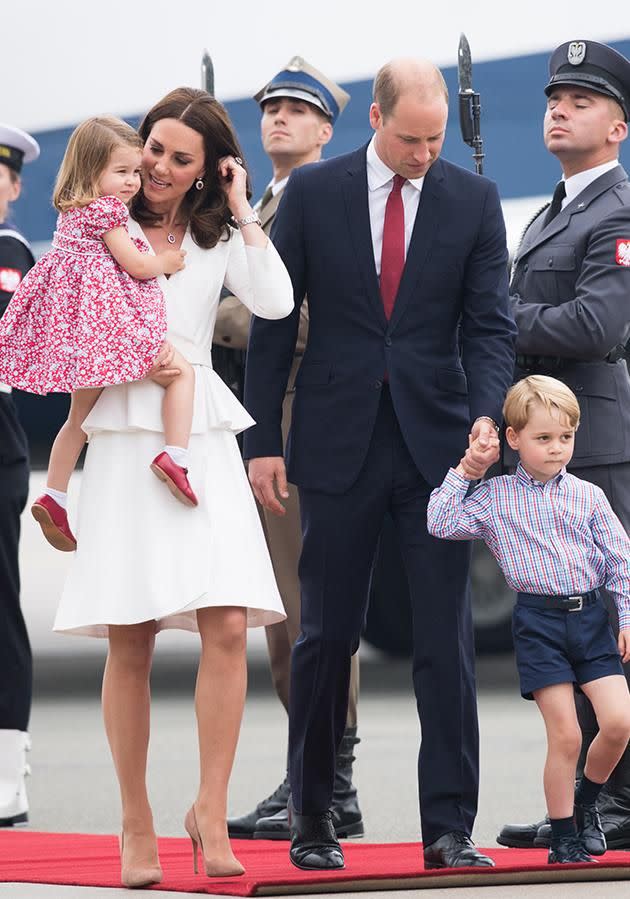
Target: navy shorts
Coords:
[[554, 646]]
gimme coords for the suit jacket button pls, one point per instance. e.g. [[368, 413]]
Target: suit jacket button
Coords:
[[378, 384], [525, 267], [388, 341]]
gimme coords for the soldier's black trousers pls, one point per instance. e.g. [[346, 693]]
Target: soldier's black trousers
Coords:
[[16, 677]]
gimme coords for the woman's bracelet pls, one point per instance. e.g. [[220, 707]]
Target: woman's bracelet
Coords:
[[249, 220]]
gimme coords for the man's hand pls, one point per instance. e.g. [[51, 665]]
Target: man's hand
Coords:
[[624, 644], [268, 478], [161, 371], [483, 450]]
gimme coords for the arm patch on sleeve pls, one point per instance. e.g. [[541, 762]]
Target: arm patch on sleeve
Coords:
[[622, 255], [10, 278]]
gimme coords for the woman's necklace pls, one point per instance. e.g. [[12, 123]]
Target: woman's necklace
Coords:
[[170, 236]]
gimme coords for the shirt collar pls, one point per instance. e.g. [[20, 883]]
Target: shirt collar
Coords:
[[277, 186], [524, 478], [379, 174], [577, 183]]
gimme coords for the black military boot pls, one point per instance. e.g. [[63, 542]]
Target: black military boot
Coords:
[[613, 805], [346, 814], [243, 828]]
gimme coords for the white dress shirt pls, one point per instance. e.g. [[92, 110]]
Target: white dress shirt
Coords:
[[380, 182], [577, 183], [277, 186]]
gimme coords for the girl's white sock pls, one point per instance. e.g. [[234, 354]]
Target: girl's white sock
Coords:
[[178, 454], [59, 496]]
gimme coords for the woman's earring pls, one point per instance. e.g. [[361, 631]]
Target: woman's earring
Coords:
[[199, 184]]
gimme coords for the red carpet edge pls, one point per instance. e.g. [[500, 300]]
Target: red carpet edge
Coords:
[[92, 860]]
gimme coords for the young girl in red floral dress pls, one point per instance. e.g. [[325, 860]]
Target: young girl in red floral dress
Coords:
[[90, 314]]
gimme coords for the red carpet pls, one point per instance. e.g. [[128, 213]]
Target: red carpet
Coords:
[[90, 860]]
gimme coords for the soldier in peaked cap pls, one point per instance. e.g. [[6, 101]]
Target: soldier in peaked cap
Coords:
[[570, 293], [16, 148], [299, 106], [301, 81]]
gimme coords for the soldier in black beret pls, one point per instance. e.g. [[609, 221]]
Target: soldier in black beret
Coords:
[[16, 258], [570, 293]]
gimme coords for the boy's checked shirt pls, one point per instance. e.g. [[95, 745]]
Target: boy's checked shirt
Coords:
[[559, 539]]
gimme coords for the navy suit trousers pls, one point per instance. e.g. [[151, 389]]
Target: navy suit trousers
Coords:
[[341, 533]]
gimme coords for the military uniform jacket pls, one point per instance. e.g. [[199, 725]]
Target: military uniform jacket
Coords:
[[233, 318], [570, 294], [16, 259]]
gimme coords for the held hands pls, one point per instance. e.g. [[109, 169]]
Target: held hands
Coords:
[[172, 261], [624, 644], [483, 451], [265, 474]]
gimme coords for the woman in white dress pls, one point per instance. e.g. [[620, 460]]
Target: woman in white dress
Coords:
[[144, 561]]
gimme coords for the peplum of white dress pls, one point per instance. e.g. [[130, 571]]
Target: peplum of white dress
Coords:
[[142, 555]]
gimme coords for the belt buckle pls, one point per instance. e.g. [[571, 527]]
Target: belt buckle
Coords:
[[580, 603]]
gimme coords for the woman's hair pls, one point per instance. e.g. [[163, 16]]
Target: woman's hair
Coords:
[[206, 210], [89, 150], [539, 390]]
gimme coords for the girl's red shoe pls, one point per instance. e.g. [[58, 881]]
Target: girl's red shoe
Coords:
[[175, 478], [53, 520]]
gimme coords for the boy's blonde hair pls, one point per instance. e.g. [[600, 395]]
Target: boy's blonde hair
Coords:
[[89, 150], [540, 390]]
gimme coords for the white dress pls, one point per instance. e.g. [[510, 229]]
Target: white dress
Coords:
[[142, 555]]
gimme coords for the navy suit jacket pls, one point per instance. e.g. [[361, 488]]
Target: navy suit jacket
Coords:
[[447, 349]]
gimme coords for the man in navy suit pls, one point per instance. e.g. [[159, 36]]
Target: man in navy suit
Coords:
[[410, 350]]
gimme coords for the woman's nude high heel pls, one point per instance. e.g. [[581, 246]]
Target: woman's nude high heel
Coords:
[[226, 866], [134, 876]]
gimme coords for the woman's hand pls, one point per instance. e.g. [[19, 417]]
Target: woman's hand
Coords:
[[233, 180]]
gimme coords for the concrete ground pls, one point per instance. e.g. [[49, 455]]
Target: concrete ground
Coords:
[[73, 786]]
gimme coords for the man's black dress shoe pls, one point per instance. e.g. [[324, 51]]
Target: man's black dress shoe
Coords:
[[568, 851], [314, 844], [455, 850]]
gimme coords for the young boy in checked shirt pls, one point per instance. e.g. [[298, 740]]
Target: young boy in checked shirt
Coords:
[[557, 542]]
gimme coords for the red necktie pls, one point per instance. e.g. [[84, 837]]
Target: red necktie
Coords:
[[393, 253]]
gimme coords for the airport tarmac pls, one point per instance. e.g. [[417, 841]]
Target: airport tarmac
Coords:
[[73, 788]]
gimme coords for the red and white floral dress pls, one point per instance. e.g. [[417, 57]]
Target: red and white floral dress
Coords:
[[78, 319]]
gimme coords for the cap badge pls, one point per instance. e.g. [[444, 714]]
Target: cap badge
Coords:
[[576, 52]]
